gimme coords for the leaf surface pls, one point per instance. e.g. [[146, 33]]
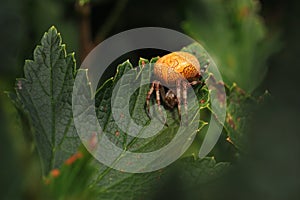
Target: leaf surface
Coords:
[[45, 93]]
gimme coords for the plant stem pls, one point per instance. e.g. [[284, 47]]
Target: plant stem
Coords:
[[111, 20]]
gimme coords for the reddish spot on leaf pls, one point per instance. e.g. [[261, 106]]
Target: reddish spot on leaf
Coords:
[[79, 155], [219, 88], [117, 133], [55, 173], [243, 12], [47, 181], [73, 158], [202, 101], [230, 121], [229, 140], [93, 141], [240, 90], [143, 63], [19, 85]]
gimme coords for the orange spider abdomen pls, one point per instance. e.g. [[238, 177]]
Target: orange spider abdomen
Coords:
[[176, 66]]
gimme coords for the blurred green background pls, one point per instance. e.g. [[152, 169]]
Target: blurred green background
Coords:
[[270, 169]]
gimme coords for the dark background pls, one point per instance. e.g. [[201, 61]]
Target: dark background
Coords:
[[271, 170]]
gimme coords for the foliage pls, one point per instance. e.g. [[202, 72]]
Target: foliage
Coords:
[[234, 34], [45, 95]]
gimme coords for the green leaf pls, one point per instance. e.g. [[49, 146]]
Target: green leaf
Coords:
[[235, 36], [200, 171], [241, 106], [137, 110], [113, 184], [121, 185], [193, 178], [239, 109], [71, 180], [45, 93], [192, 173]]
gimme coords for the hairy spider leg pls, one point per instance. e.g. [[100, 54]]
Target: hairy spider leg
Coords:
[[157, 86], [178, 97], [162, 93], [198, 82], [195, 82], [184, 98], [148, 97]]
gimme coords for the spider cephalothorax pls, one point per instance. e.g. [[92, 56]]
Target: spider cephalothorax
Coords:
[[177, 71]]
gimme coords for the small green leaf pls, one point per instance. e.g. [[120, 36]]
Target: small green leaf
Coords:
[[194, 177], [200, 171], [235, 36], [116, 185], [240, 108], [113, 184], [45, 93]]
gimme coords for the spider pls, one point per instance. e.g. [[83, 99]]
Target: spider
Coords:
[[178, 71]]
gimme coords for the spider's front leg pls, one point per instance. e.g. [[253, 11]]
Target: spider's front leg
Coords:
[[178, 91], [148, 97], [182, 85], [184, 98], [195, 83], [155, 86]]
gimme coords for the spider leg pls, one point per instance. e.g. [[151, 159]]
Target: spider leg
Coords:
[[157, 86], [148, 97], [195, 82], [184, 97], [162, 93], [178, 97]]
